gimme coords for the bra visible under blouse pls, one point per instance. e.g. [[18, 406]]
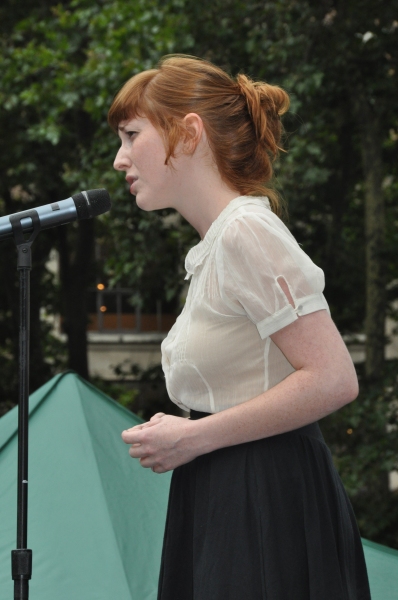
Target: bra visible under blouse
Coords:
[[219, 352]]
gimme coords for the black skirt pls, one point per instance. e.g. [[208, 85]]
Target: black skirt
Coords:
[[263, 520]]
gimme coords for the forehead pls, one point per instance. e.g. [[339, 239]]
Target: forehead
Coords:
[[133, 122]]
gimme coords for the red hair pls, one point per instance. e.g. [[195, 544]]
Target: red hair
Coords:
[[241, 117]]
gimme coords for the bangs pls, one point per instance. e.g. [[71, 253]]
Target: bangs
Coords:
[[130, 101]]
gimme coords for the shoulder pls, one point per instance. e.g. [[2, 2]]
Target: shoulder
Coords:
[[254, 224]]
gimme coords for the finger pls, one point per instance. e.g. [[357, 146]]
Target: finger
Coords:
[[137, 427], [150, 423], [157, 416], [137, 452], [158, 469], [132, 437], [133, 429], [144, 425]]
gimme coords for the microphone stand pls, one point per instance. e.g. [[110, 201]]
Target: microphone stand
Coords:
[[21, 558]]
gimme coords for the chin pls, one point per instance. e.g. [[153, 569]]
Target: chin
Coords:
[[142, 204], [146, 208], [148, 204]]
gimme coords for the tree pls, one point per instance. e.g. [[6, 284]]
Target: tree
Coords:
[[338, 61], [61, 65]]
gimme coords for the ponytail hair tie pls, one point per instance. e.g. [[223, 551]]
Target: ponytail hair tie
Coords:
[[265, 104]]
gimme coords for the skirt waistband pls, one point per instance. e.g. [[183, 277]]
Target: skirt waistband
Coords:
[[312, 430]]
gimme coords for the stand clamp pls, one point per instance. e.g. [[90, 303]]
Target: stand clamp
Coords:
[[24, 245]]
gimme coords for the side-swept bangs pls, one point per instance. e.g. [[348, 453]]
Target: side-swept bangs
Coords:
[[131, 100], [141, 96]]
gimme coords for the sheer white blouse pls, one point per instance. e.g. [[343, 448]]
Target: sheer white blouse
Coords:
[[219, 352]]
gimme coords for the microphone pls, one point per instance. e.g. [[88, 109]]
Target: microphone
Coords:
[[83, 205]]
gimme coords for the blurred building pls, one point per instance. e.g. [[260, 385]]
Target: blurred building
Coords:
[[120, 334]]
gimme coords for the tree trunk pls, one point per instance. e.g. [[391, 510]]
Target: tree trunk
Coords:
[[75, 276], [371, 150]]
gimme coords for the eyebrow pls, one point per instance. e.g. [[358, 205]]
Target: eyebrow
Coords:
[[127, 126]]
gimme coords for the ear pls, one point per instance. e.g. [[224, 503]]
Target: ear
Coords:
[[193, 126]]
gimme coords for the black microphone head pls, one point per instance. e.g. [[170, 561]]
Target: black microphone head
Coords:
[[92, 203]]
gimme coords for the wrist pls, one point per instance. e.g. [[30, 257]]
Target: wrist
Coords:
[[197, 439]]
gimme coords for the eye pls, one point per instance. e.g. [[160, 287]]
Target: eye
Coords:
[[130, 134]]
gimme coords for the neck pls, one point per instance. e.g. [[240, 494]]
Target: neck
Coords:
[[207, 209], [204, 195]]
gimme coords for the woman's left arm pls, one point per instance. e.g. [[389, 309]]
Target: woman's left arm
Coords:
[[324, 381]]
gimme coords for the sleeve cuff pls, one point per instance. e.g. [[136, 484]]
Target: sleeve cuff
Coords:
[[288, 314]]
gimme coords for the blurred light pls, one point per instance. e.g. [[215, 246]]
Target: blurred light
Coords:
[[100, 286], [103, 308], [349, 431]]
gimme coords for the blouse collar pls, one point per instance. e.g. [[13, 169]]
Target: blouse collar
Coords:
[[198, 253]]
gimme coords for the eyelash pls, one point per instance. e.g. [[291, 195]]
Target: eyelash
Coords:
[[130, 134]]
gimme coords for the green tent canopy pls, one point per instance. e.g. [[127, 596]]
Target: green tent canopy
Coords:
[[382, 563], [96, 518]]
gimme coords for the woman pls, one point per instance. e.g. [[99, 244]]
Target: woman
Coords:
[[256, 509]]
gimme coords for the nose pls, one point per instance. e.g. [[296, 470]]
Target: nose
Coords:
[[121, 162]]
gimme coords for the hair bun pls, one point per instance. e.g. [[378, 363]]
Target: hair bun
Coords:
[[266, 104]]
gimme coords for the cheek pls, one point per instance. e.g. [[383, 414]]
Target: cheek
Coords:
[[155, 148], [152, 160]]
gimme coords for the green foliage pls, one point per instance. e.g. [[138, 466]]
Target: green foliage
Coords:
[[146, 253], [142, 391], [326, 56], [126, 396], [363, 437], [60, 66]]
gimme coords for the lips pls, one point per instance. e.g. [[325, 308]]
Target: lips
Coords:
[[131, 180]]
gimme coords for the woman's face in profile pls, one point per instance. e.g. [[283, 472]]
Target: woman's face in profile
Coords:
[[142, 157]]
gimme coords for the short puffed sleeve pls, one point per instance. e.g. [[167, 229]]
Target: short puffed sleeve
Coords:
[[256, 257]]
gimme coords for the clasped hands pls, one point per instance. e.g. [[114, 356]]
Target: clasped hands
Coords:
[[161, 443]]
